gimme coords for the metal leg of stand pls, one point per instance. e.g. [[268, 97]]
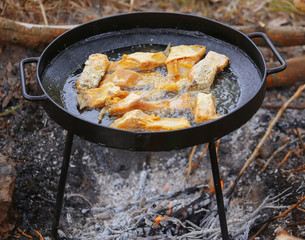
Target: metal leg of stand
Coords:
[[218, 192], [62, 183]]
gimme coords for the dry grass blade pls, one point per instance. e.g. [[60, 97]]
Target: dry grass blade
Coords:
[[300, 138], [39, 235], [299, 169], [200, 157], [259, 231], [265, 137], [24, 234], [284, 214], [190, 164], [284, 6], [12, 109], [12, 138], [272, 156], [131, 8], [43, 12], [286, 157], [80, 196]]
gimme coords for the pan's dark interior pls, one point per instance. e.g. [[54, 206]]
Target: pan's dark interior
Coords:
[[69, 52], [57, 73]]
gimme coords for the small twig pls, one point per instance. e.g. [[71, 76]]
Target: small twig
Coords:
[[142, 182], [112, 230], [200, 157], [279, 106], [12, 109], [128, 5], [272, 156], [45, 199], [39, 235], [301, 209], [195, 234], [253, 214], [80, 196], [131, 7], [299, 169], [284, 214], [286, 157], [190, 162], [12, 138], [296, 224], [24, 234], [291, 142], [193, 225], [300, 138], [43, 12], [267, 133], [260, 230], [217, 144]]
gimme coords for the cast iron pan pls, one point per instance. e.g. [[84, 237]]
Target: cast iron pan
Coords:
[[66, 55]]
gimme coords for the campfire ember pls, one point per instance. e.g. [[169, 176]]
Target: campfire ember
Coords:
[[159, 218]]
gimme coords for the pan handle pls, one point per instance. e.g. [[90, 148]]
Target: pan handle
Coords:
[[23, 82], [273, 49]]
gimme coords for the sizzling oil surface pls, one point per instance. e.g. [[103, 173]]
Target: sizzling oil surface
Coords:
[[225, 88]]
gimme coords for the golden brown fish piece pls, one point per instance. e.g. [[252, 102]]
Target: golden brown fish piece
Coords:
[[204, 107], [131, 102], [181, 85], [123, 78], [151, 95], [182, 58], [126, 104], [96, 97], [130, 79], [178, 103], [95, 68], [140, 61], [202, 75], [152, 78], [135, 101], [137, 120]]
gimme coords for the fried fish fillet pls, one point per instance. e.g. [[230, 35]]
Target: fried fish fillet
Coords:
[[95, 69], [135, 101], [182, 58], [130, 79], [137, 120], [124, 78], [204, 107], [203, 73], [151, 95], [141, 61], [129, 103], [96, 97], [149, 87]]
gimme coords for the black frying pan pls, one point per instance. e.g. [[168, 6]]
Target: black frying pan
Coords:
[[68, 52]]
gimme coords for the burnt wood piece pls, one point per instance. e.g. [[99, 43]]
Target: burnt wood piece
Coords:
[[35, 35], [295, 72]]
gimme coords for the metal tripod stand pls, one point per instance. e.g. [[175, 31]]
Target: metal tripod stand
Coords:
[[64, 174]]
